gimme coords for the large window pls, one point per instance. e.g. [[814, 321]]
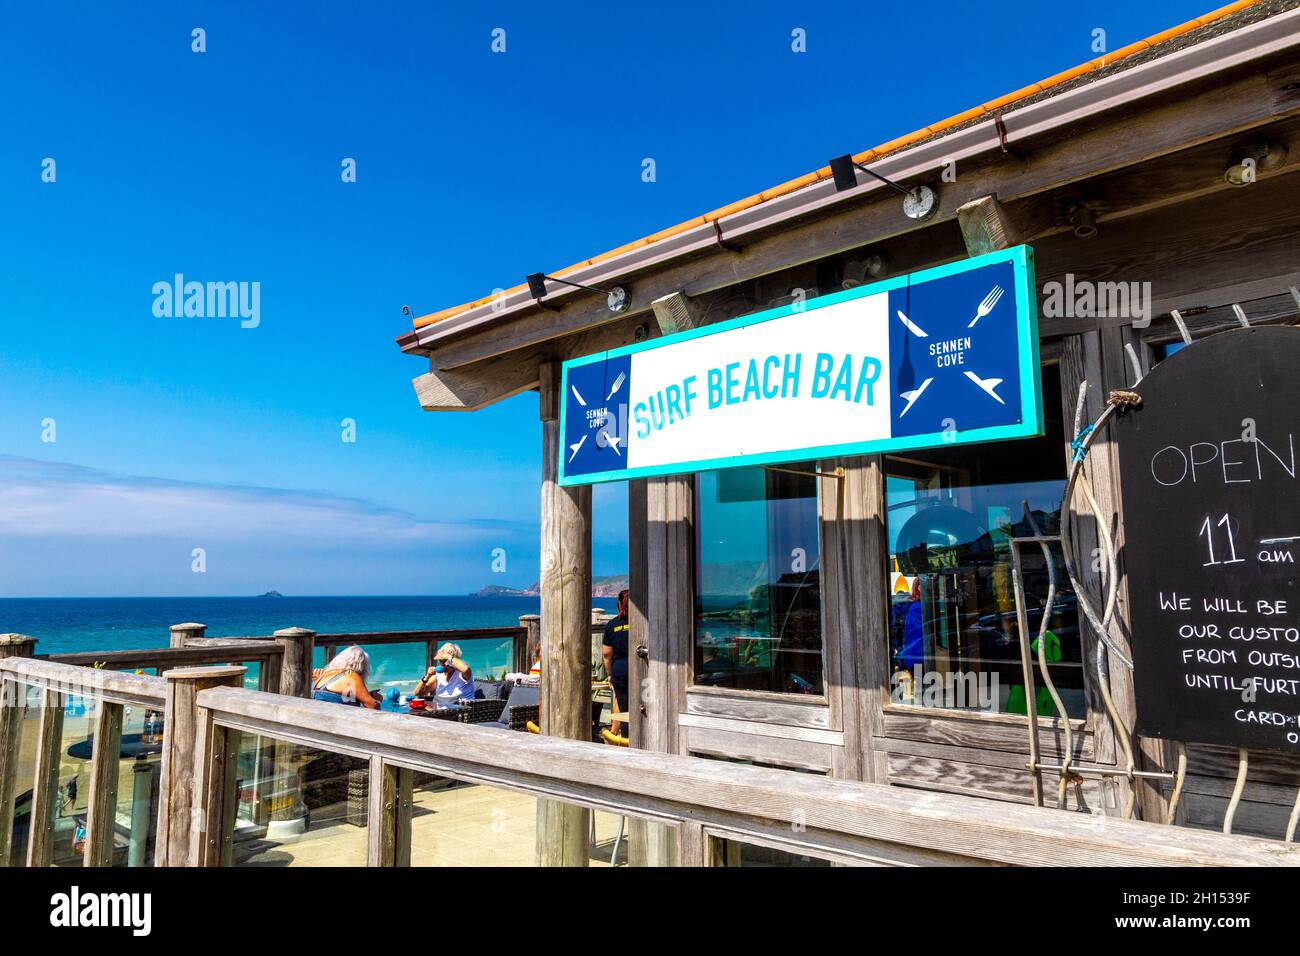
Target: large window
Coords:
[[757, 584], [954, 641]]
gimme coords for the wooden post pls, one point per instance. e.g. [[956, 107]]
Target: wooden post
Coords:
[[389, 816], [181, 633], [637, 644], [45, 782], [562, 829], [985, 226], [670, 548], [212, 825], [12, 706], [105, 759], [692, 844], [182, 775], [856, 588], [295, 666], [17, 645], [532, 625]]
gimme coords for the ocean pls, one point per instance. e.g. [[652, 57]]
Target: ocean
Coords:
[[66, 625]]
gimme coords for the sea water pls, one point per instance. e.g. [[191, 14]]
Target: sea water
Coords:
[[68, 625]]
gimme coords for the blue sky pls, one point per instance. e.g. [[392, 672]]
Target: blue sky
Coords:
[[473, 169]]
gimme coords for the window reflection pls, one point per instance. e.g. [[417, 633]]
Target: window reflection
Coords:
[[951, 513], [758, 598]]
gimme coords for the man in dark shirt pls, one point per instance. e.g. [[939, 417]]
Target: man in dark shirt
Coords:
[[614, 651]]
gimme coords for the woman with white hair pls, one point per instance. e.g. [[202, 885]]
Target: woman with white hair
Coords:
[[449, 679], [343, 680]]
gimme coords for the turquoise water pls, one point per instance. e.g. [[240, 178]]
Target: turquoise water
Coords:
[[67, 625]]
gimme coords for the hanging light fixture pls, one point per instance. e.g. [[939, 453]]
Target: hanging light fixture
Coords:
[[919, 202], [617, 299]]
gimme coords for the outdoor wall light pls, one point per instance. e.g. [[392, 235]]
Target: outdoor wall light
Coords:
[[1261, 156], [1084, 221], [617, 299], [860, 271], [919, 203]]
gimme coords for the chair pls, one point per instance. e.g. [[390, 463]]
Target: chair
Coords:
[[523, 705], [482, 711]]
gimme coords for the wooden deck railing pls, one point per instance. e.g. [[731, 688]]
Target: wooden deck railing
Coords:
[[190, 648], [703, 804]]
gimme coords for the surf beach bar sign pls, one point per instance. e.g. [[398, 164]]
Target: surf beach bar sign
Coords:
[[944, 356]]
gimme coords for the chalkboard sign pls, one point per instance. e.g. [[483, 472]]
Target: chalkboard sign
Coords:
[[1211, 540]]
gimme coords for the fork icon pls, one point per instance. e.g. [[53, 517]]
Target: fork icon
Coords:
[[987, 305]]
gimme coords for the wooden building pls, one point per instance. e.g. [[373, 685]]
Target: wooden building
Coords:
[[1125, 169]]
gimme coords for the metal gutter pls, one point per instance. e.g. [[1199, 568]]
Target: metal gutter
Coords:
[[1230, 50]]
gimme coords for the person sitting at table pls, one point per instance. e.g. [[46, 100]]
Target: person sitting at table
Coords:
[[343, 680], [449, 679]]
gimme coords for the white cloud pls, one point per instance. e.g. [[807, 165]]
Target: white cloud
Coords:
[[72, 530]]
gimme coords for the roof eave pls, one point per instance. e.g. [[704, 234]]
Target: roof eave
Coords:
[[1218, 54]]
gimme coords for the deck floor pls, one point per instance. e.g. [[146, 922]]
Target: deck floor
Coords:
[[464, 825]]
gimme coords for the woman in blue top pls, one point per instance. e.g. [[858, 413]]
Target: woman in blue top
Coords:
[[343, 680]]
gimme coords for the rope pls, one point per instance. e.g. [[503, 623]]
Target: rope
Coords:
[[1077, 443]]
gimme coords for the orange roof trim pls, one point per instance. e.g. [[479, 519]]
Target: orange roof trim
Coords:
[[885, 149]]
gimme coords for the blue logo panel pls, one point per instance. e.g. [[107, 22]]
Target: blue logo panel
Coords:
[[954, 348], [595, 413]]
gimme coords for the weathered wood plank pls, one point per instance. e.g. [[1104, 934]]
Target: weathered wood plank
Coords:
[[692, 845], [298, 644], [638, 625], [181, 776], [786, 752], [984, 731], [982, 780], [832, 738], [389, 815], [566, 626], [45, 783], [986, 226], [119, 688], [105, 759], [12, 707], [717, 793], [191, 655], [778, 709]]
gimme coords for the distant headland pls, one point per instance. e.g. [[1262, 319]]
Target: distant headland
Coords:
[[605, 586], [271, 594]]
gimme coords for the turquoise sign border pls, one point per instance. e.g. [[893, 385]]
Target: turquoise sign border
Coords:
[[1031, 398]]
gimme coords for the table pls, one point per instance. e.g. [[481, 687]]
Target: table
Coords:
[[137, 747]]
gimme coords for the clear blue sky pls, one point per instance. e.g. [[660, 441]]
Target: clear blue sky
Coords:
[[473, 169]]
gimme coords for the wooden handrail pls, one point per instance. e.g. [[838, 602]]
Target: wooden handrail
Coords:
[[841, 820], [102, 684], [845, 820], [418, 637], [203, 651]]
